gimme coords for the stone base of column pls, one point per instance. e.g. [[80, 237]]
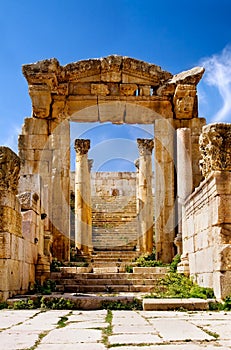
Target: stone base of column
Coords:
[[183, 266]]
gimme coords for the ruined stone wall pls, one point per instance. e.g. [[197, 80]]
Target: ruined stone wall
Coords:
[[18, 248], [207, 221]]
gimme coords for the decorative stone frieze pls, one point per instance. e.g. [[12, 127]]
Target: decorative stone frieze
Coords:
[[82, 146], [9, 170], [128, 89], [99, 89], [215, 148], [184, 100]]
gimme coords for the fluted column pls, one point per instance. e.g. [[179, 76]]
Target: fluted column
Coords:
[[145, 198], [82, 188]]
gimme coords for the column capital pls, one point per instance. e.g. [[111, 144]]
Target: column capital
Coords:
[[145, 146], [82, 146], [215, 148]]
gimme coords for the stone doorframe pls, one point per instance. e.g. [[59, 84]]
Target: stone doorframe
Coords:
[[111, 89]]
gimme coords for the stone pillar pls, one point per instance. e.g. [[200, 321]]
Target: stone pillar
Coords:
[[82, 190], [146, 211], [137, 204], [184, 189], [164, 190], [89, 216], [59, 190]]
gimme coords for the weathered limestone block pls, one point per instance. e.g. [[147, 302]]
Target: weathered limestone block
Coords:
[[192, 76], [184, 101], [42, 72], [136, 71], [9, 170], [34, 126], [111, 111], [83, 71], [33, 142], [99, 89], [28, 200], [111, 68], [128, 89], [215, 147], [41, 100], [80, 88]]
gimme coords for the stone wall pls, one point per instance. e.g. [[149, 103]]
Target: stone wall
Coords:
[[207, 220], [18, 246]]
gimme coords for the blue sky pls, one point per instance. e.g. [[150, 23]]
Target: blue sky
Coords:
[[177, 35]]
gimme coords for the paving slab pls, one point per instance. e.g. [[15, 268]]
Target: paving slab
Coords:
[[175, 330], [132, 329], [187, 346], [68, 335], [13, 317], [79, 346], [135, 339], [222, 328], [17, 341]]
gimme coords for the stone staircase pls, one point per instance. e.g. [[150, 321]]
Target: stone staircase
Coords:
[[105, 282], [114, 223], [112, 261]]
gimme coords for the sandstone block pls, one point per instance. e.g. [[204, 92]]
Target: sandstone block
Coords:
[[41, 100], [99, 89], [79, 88], [33, 142], [35, 126], [128, 89], [5, 251]]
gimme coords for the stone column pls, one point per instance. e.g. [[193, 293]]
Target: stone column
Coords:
[[89, 216], [137, 204], [82, 189], [146, 211], [184, 189], [164, 190]]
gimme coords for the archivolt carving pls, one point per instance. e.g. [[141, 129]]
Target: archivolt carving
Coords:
[[9, 170]]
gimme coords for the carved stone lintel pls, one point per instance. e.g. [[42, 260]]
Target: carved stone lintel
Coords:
[[215, 148], [82, 146], [9, 170], [145, 146]]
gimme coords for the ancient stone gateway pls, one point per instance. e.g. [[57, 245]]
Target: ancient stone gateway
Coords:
[[112, 89]]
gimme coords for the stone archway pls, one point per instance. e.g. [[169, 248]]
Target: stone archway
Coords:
[[116, 89]]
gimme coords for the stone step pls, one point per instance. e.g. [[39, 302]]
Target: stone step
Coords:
[[105, 282], [109, 276], [174, 304], [102, 288]]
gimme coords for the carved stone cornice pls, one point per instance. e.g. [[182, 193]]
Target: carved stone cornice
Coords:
[[145, 146], [82, 146], [215, 148], [9, 170]]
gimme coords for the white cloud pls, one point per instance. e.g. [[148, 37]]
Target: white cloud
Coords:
[[218, 75]]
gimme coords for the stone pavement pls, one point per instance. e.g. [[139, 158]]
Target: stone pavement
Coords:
[[121, 330]]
